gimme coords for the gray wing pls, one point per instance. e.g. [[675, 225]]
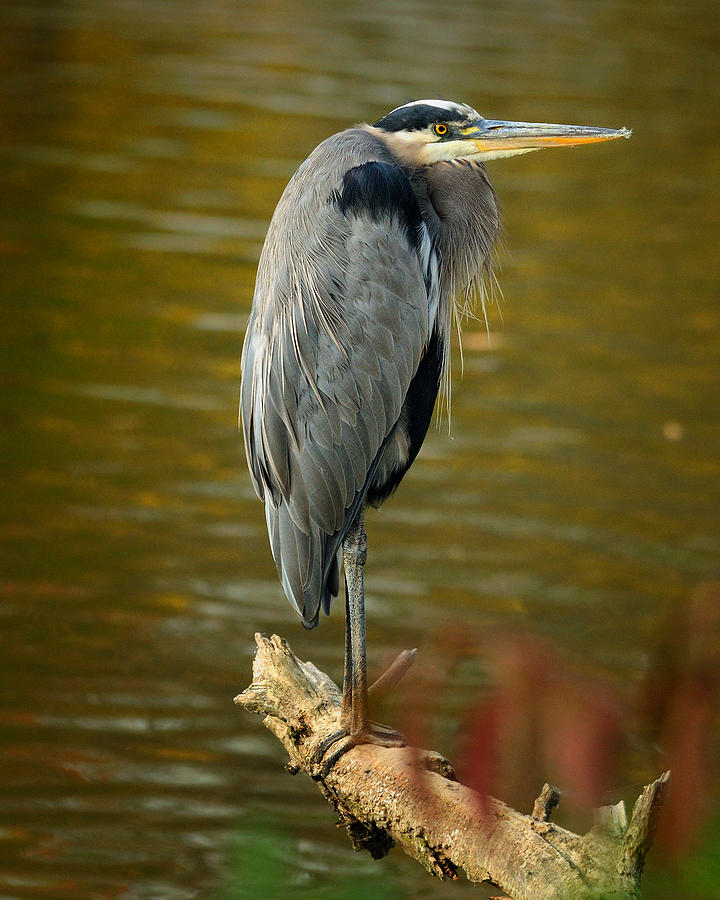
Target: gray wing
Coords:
[[339, 323]]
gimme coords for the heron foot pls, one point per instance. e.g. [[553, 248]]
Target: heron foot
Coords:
[[381, 735]]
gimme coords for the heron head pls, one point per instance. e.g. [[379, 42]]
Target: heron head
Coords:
[[429, 131]]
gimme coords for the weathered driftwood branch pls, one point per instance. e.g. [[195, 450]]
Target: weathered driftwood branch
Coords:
[[410, 797]]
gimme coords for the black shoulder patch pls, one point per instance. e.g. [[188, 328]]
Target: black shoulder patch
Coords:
[[379, 190]]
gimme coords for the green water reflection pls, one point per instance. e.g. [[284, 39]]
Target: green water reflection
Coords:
[[144, 147]]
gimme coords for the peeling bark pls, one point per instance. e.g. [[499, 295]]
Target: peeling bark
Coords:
[[411, 798]]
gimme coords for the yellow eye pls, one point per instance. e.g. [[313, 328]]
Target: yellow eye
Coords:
[[440, 130]]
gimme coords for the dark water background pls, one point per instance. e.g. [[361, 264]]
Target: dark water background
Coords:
[[144, 146]]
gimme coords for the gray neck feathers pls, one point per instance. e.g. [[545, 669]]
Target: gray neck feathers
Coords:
[[459, 207]]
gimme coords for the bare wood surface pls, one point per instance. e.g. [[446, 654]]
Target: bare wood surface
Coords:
[[411, 798]]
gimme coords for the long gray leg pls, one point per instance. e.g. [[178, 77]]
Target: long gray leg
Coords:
[[354, 556], [355, 728], [347, 670]]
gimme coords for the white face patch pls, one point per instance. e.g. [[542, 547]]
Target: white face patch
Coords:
[[406, 145]]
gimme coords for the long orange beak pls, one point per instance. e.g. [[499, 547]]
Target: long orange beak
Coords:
[[494, 136]]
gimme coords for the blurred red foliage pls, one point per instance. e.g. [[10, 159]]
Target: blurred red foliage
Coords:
[[679, 711], [542, 718]]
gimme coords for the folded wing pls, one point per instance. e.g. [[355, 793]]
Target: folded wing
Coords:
[[339, 325]]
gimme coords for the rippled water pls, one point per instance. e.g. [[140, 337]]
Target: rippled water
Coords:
[[144, 146]]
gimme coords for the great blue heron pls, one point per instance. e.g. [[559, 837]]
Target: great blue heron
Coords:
[[379, 234]]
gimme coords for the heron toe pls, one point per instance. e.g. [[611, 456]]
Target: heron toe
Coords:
[[326, 754]]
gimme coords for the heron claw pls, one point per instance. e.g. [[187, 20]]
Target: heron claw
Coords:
[[380, 735]]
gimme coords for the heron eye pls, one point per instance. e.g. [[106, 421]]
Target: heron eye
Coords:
[[440, 129]]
